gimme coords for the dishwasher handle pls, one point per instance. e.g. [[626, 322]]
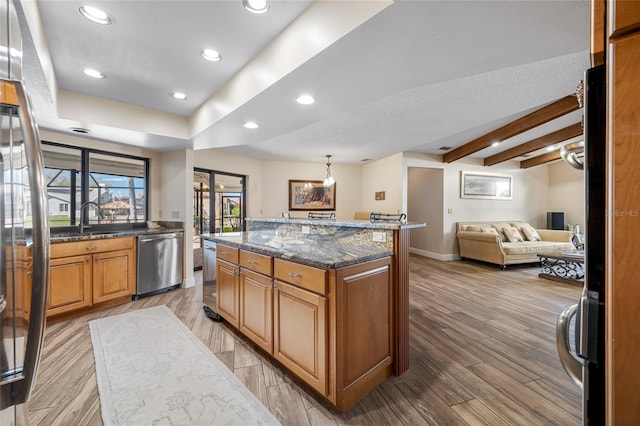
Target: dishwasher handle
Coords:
[[151, 238]]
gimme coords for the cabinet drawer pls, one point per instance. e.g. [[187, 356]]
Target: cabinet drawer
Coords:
[[256, 262], [307, 277], [227, 253], [77, 248]]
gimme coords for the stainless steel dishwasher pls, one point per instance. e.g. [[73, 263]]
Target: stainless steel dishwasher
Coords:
[[159, 263]]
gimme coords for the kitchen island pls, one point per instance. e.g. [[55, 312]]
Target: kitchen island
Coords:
[[327, 299]]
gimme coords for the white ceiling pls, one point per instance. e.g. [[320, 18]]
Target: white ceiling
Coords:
[[387, 77]]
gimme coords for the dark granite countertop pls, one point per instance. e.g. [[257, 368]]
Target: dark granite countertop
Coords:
[[343, 223], [322, 251], [63, 237]]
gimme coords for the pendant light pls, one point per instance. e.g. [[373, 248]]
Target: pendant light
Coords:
[[329, 180]]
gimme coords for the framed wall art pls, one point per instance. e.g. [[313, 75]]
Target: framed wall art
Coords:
[[311, 195], [486, 186]]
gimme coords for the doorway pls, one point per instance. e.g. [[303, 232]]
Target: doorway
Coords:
[[220, 210]]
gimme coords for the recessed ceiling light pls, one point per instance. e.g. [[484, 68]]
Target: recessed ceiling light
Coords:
[[251, 125], [256, 6], [90, 72], [210, 55], [178, 95], [80, 130], [495, 144], [550, 148], [305, 100], [96, 15]]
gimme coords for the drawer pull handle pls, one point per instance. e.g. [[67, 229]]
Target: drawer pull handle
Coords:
[[294, 275], [251, 261], [92, 248], [224, 253]]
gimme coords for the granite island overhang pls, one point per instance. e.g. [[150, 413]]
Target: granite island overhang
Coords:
[[328, 299]]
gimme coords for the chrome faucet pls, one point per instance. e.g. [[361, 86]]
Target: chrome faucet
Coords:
[[81, 225]]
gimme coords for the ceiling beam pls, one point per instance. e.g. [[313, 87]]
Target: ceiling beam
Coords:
[[535, 144], [540, 159], [543, 115]]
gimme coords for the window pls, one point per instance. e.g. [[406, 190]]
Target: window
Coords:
[[114, 182]]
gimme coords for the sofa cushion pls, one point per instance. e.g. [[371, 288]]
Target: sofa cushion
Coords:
[[512, 234], [489, 230], [530, 233], [535, 247]]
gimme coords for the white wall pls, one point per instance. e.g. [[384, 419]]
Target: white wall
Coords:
[[383, 175], [566, 193], [275, 176], [177, 200], [425, 198], [529, 203]]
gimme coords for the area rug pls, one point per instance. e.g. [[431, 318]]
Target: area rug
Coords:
[[152, 370]]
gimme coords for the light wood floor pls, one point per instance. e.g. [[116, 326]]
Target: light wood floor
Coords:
[[482, 353]]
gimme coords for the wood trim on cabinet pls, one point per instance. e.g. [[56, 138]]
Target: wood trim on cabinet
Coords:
[[75, 248], [623, 227], [230, 254], [401, 301], [623, 18], [307, 277], [257, 262]]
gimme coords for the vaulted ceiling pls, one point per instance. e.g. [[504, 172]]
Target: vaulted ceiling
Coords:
[[439, 77]]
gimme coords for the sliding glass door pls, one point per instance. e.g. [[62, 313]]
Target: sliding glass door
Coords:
[[219, 201]]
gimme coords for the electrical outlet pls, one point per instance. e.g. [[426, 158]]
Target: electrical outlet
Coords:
[[450, 211], [175, 214], [380, 237], [306, 229]]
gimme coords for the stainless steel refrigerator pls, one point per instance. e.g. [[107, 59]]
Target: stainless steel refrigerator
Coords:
[[24, 232], [583, 356]]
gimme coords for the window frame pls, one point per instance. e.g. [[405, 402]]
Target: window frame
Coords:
[[85, 188]]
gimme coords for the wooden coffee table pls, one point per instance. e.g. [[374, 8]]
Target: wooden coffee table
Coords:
[[566, 267]]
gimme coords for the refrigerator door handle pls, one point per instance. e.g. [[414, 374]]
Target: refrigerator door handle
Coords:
[[571, 364], [40, 248]]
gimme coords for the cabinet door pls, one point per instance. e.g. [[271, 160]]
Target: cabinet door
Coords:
[[228, 291], [69, 284], [256, 308], [300, 333], [113, 275]]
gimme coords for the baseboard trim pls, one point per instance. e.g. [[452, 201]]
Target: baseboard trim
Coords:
[[434, 255], [189, 282]]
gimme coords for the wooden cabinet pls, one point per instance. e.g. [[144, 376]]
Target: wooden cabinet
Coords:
[[18, 296], [228, 291], [333, 328], [86, 273], [300, 333], [624, 17], [256, 308], [623, 227], [112, 275], [69, 284]]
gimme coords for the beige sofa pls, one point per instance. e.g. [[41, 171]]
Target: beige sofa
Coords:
[[477, 241]]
